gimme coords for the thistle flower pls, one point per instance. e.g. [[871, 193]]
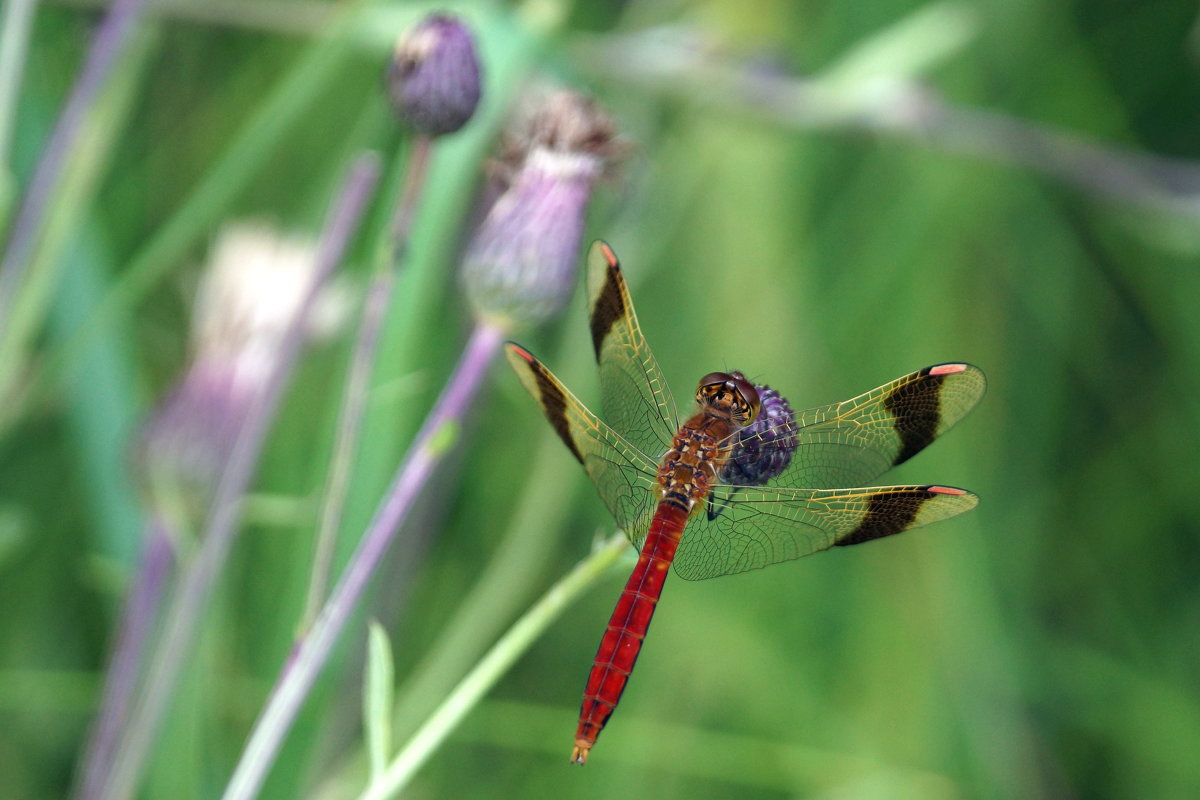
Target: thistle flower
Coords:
[[244, 304], [764, 447], [519, 266], [433, 78]]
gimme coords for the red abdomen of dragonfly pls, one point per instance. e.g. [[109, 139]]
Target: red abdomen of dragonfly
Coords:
[[688, 470]]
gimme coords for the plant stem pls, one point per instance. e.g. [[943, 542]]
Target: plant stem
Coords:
[[492, 666], [16, 20], [137, 622], [407, 206], [354, 402], [109, 42], [300, 671], [191, 598]]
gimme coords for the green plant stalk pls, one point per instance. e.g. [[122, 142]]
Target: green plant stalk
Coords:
[[492, 667], [100, 400], [16, 21], [104, 52], [69, 197], [377, 698]]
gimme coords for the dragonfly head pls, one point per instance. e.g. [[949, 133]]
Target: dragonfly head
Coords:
[[728, 396]]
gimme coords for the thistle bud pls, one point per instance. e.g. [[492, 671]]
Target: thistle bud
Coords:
[[519, 268], [433, 78], [764, 447], [245, 303]]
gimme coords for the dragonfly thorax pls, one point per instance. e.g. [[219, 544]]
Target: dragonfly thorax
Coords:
[[729, 397], [727, 403], [691, 465]]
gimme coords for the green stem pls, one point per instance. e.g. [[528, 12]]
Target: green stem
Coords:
[[494, 664], [16, 20], [62, 186]]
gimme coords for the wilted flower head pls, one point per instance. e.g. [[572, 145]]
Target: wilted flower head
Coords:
[[244, 305], [249, 296], [764, 447], [519, 266], [433, 78]]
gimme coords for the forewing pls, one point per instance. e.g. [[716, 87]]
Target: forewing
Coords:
[[634, 398], [853, 442], [623, 475], [761, 525]]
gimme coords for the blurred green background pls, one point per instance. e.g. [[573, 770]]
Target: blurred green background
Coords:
[[1045, 645]]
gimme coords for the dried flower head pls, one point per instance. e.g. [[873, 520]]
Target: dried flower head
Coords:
[[433, 78], [560, 121], [519, 266], [244, 305], [248, 297]]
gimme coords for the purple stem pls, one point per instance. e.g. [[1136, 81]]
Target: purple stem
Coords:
[[137, 620], [407, 206], [197, 582], [311, 652], [359, 376], [111, 36]]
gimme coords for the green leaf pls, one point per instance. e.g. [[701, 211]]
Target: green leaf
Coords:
[[377, 698]]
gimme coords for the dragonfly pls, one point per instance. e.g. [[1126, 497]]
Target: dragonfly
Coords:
[[743, 482]]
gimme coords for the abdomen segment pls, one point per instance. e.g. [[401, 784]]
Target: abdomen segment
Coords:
[[627, 628]]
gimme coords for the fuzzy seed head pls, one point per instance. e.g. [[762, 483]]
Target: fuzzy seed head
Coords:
[[519, 268]]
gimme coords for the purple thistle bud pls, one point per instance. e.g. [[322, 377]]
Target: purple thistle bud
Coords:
[[433, 78], [519, 268], [765, 446]]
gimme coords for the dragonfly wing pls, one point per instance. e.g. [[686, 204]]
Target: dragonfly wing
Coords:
[[853, 442], [634, 398], [623, 475], [762, 525]]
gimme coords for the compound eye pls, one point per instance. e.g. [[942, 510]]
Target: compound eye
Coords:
[[714, 378], [711, 387], [749, 396]]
